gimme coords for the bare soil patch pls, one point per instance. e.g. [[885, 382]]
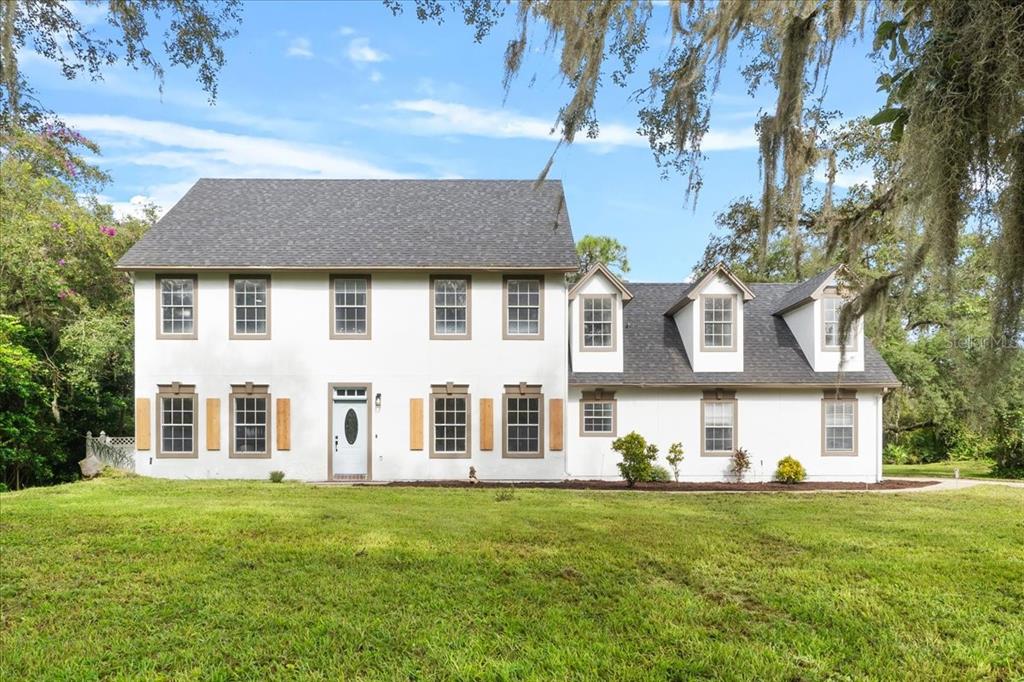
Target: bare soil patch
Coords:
[[668, 487]]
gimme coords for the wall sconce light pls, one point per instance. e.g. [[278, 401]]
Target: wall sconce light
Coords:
[[376, 400]]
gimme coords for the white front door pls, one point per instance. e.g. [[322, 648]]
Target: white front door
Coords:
[[349, 433]]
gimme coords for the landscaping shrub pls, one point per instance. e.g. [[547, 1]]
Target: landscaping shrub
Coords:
[[637, 457], [739, 464], [790, 470], [659, 474], [675, 457], [276, 476], [1009, 442]]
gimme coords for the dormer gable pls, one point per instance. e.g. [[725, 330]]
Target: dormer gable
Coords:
[[812, 312], [596, 321], [712, 328]]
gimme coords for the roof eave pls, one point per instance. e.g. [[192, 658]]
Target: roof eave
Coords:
[[342, 268]]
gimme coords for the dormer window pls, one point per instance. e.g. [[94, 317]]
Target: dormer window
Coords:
[[831, 310], [719, 316], [598, 323]]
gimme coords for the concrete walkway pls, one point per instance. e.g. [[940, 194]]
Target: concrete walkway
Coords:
[[948, 484]]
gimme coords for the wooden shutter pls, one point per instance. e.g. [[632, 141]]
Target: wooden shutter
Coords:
[[486, 423], [555, 423], [416, 423], [284, 424], [213, 423], [142, 424]]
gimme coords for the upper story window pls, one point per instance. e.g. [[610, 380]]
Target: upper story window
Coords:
[[831, 331], [176, 306], [597, 414], [598, 322], [250, 421], [449, 421], [718, 424], [450, 309], [524, 421], [350, 307], [839, 423], [176, 421], [250, 307], [718, 317], [524, 308]]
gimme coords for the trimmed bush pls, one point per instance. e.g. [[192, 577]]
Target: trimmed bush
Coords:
[[276, 476], [790, 470], [659, 474], [637, 457]]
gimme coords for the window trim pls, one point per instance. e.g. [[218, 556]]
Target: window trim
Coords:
[[719, 396], [332, 299], [731, 348], [158, 279], [518, 391], [246, 390], [539, 336], [176, 390], [445, 391], [852, 343], [582, 298], [599, 396], [232, 329], [840, 396], [469, 308]]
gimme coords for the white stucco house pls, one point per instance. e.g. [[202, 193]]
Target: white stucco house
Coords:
[[411, 329]]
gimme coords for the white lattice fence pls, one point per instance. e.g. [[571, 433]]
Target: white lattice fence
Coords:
[[117, 451]]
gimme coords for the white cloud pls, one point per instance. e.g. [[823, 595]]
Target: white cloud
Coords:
[[376, 76], [346, 31], [449, 118], [845, 179], [198, 152], [359, 51], [300, 47], [87, 14]]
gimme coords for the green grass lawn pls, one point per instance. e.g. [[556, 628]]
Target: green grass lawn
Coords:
[[972, 468], [137, 578]]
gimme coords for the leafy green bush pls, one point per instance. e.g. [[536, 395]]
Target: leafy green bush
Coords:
[[675, 457], [637, 457], [790, 471], [739, 464], [659, 474], [895, 453], [1009, 442], [276, 476]]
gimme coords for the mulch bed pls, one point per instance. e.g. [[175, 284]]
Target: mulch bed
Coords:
[[666, 487]]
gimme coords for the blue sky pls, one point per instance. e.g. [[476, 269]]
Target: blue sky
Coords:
[[348, 90]]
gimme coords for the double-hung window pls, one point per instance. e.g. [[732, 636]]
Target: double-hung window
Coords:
[[524, 421], [839, 424], [597, 414], [598, 324], [250, 421], [524, 308], [350, 307], [719, 329], [176, 414], [176, 306], [718, 424], [250, 307], [450, 309], [831, 330], [449, 421]]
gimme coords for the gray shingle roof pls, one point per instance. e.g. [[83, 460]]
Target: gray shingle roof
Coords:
[[362, 224], [654, 352], [801, 293]]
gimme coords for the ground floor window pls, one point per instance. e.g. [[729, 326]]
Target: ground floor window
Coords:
[[839, 423], [597, 413], [523, 421], [449, 420], [250, 420], [176, 412], [718, 423]]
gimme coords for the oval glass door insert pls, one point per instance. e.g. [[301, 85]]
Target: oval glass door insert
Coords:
[[351, 426]]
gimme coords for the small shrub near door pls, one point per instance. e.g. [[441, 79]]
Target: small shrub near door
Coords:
[[637, 457], [790, 471], [276, 476]]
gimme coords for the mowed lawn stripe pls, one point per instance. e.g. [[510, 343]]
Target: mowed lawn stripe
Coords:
[[227, 580]]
